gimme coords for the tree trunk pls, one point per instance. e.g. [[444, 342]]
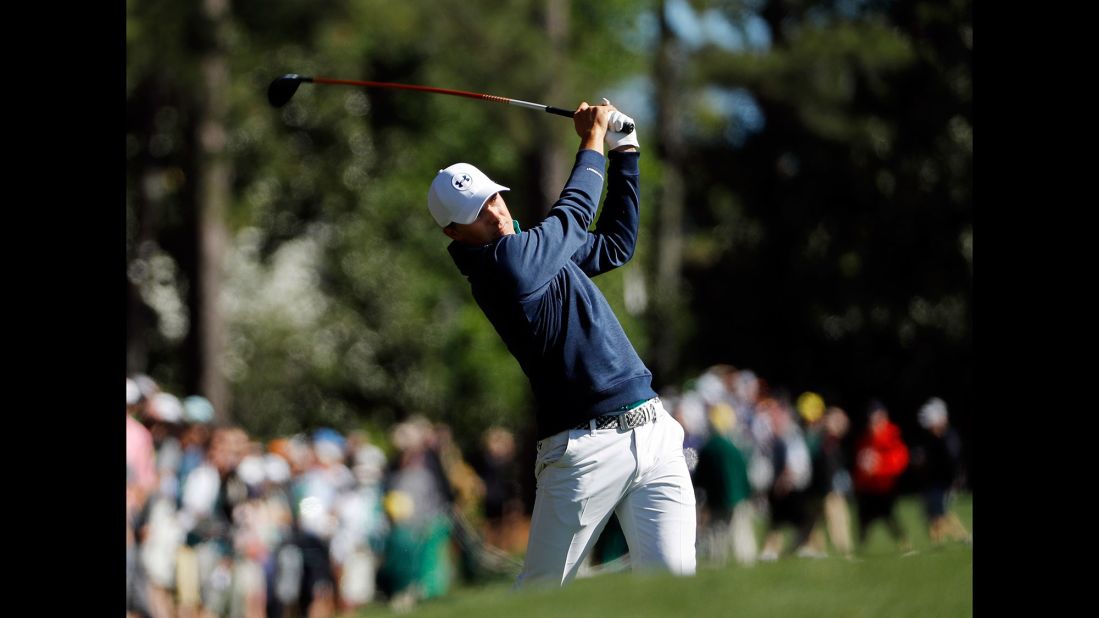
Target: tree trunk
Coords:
[[552, 164], [668, 313], [213, 186]]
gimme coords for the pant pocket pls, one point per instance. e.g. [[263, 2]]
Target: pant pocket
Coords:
[[550, 451]]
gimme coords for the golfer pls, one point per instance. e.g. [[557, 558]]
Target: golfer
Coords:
[[607, 444]]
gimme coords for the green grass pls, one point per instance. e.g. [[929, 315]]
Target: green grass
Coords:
[[935, 581]]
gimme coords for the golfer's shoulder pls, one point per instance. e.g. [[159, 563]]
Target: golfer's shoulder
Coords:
[[525, 261], [512, 255]]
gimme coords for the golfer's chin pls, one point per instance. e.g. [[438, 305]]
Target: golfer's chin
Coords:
[[500, 231], [494, 233]]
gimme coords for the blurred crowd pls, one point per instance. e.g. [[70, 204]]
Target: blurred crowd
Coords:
[[219, 523], [792, 467]]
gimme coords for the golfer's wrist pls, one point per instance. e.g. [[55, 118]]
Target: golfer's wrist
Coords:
[[593, 141]]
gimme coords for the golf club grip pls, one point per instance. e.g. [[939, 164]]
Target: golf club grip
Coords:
[[626, 128], [567, 113]]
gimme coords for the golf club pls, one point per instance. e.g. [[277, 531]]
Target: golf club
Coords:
[[283, 88]]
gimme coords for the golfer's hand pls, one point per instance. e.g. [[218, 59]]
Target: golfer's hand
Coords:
[[591, 123], [616, 138]]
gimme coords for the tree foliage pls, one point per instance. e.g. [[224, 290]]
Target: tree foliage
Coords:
[[827, 169]]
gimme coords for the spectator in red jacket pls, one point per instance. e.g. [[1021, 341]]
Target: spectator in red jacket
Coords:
[[880, 458]]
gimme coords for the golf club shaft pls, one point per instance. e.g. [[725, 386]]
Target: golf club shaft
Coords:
[[459, 93]]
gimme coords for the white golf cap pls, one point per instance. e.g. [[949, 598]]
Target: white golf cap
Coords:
[[458, 193]]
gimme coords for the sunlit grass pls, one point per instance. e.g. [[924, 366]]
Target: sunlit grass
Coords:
[[935, 581]]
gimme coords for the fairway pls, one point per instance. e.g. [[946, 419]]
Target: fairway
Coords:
[[931, 582]]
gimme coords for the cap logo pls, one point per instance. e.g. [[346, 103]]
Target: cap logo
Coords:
[[462, 182]]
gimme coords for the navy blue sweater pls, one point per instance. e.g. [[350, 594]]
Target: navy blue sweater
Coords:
[[536, 289]]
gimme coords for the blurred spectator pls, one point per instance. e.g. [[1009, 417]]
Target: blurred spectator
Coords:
[[140, 453], [937, 462], [793, 473], [466, 487], [416, 563], [831, 483], [275, 527], [834, 460], [722, 481], [162, 533], [163, 413], [504, 510], [758, 434], [286, 567], [690, 410], [810, 411], [361, 528], [747, 389], [880, 458], [248, 589], [209, 496], [162, 539], [314, 493], [140, 484], [198, 413]]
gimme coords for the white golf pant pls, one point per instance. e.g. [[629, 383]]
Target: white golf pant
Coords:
[[586, 474]]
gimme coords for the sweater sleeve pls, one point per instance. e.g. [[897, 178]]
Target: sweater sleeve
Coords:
[[612, 242], [530, 259]]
